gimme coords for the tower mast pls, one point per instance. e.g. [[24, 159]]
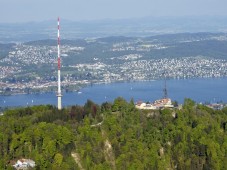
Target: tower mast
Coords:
[[165, 88], [59, 95]]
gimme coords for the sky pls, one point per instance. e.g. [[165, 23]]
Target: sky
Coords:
[[12, 11]]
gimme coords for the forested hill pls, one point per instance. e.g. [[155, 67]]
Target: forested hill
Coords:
[[115, 136]]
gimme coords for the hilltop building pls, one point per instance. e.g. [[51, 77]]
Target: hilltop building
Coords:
[[158, 104], [165, 102], [145, 106]]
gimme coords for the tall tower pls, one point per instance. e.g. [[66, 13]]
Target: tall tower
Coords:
[[59, 95], [165, 88]]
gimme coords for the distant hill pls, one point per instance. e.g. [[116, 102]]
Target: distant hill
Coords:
[[183, 37], [208, 48], [51, 42], [140, 27], [179, 45], [116, 39]]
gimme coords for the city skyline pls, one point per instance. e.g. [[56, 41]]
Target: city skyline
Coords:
[[25, 11]]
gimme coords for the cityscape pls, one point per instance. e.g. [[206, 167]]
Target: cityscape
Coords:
[[31, 67]]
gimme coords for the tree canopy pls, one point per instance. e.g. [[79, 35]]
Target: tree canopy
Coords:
[[115, 136]]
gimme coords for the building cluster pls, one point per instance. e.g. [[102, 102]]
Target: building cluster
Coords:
[[8, 70], [158, 104], [133, 67], [140, 48], [216, 106], [188, 67], [24, 55]]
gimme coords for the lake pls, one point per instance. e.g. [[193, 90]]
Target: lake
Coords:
[[201, 90]]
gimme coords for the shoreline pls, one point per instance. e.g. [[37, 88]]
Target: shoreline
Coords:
[[87, 84]]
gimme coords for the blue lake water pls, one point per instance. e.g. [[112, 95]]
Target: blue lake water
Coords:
[[200, 90]]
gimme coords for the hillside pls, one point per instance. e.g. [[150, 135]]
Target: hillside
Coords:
[[115, 136], [5, 49]]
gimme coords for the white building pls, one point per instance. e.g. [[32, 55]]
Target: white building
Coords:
[[145, 106], [24, 164], [161, 103]]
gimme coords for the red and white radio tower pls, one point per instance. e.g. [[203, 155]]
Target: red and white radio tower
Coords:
[[59, 95]]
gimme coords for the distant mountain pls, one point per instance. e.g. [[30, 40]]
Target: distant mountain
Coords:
[[116, 39], [149, 26], [176, 45]]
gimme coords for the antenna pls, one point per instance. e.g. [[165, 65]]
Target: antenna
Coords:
[[59, 95], [165, 88]]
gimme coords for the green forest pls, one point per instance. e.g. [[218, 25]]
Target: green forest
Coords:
[[115, 136]]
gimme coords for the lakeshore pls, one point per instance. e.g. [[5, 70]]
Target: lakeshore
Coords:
[[209, 90]]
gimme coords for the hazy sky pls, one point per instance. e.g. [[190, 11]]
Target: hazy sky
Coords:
[[39, 10]]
